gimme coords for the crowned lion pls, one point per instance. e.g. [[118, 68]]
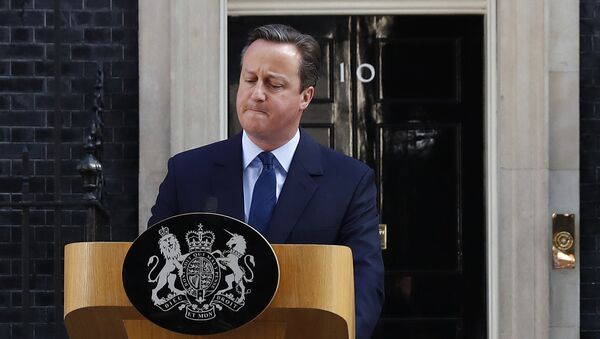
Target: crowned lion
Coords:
[[171, 251]]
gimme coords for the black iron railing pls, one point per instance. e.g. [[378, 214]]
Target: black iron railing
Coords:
[[90, 168]]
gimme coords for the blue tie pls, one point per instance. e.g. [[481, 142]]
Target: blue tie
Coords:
[[263, 196]]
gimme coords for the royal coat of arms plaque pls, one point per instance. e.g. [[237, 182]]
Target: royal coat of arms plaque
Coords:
[[200, 273]]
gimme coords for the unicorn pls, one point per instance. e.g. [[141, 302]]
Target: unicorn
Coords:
[[231, 257]]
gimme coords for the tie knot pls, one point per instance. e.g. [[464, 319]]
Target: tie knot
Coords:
[[267, 159]]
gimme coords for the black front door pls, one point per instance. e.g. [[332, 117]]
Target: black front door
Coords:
[[405, 95]]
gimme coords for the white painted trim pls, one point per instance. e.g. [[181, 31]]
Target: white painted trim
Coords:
[[183, 91], [349, 7], [491, 175], [154, 102], [223, 69]]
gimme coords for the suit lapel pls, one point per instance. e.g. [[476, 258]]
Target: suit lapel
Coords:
[[298, 189], [227, 183]]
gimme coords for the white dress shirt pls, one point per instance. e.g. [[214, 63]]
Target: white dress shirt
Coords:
[[253, 166]]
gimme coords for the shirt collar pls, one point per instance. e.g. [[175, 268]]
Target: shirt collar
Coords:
[[283, 153]]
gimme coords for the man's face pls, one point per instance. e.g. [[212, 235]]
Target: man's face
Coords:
[[269, 102]]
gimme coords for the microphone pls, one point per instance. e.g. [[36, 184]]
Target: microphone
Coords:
[[210, 205]]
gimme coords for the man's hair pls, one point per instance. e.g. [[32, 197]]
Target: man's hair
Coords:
[[310, 52]]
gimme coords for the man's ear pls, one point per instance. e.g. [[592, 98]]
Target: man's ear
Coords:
[[306, 96]]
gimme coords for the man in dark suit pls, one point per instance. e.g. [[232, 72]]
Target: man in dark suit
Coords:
[[275, 176]]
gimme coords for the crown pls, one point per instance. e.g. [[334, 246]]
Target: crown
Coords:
[[200, 240], [163, 231]]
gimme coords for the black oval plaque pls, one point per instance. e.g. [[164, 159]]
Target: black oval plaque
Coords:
[[200, 273]]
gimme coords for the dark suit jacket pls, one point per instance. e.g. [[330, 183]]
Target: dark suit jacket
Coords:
[[327, 198]]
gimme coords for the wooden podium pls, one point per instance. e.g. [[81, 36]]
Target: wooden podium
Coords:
[[315, 298]]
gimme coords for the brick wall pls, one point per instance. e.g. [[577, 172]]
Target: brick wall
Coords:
[[92, 31], [590, 167]]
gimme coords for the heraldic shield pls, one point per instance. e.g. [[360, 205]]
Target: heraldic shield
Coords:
[[200, 273]]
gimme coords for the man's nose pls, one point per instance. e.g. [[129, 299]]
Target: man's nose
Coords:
[[258, 92]]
